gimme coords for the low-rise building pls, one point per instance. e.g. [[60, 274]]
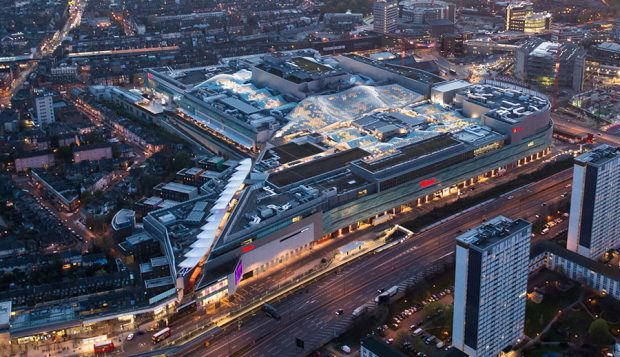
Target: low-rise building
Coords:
[[43, 159], [176, 191], [594, 274], [57, 189], [92, 152]]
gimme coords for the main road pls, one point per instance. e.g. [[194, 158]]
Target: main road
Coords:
[[310, 314], [574, 128]]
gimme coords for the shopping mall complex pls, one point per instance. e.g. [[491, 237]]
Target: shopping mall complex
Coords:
[[333, 144], [306, 148]]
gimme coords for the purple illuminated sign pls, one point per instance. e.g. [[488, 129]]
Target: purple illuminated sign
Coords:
[[238, 272]]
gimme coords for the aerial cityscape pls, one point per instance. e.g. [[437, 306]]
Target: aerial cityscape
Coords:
[[374, 178]]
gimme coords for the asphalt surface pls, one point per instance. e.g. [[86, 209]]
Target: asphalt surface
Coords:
[[577, 129], [310, 314]]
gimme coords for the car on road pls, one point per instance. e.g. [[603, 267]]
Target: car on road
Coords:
[[346, 349], [339, 312], [511, 197], [130, 337]]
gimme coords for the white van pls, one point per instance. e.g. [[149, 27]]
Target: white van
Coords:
[[417, 332]]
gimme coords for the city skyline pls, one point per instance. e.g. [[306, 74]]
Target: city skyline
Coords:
[[375, 178]]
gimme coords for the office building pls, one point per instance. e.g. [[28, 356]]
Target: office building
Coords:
[[594, 224], [535, 62], [453, 44], [492, 265], [521, 17], [603, 60], [386, 15], [44, 108], [420, 12]]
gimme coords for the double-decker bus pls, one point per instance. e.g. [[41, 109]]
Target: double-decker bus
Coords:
[[161, 335], [104, 347]]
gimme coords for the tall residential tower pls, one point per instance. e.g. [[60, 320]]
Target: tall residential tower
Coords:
[[594, 224], [491, 286]]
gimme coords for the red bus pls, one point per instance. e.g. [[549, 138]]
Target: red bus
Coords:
[[104, 346], [161, 335]]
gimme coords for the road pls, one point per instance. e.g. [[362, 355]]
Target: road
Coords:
[[311, 315], [270, 280], [574, 128], [46, 48]]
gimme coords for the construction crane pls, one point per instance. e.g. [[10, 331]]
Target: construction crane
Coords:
[[556, 80]]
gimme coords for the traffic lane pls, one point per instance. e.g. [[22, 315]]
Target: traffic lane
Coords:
[[351, 303], [576, 129], [379, 264], [329, 320], [326, 248], [317, 314], [327, 296], [532, 190], [444, 230]]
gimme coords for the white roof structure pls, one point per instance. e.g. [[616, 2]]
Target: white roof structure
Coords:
[[208, 235]]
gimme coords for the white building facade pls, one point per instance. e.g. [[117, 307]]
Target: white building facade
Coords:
[[44, 109], [594, 224], [492, 265], [385, 13]]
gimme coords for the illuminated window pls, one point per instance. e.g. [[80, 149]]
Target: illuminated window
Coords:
[[296, 219]]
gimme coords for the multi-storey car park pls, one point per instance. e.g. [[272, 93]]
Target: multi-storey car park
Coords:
[[337, 143]]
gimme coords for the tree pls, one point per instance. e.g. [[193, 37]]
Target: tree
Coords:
[[402, 337], [418, 344], [599, 333]]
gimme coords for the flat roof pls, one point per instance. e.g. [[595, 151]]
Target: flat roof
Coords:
[[593, 265], [240, 105], [451, 85], [293, 151], [5, 313], [179, 187], [409, 152], [598, 156], [609, 46], [492, 232], [316, 167]]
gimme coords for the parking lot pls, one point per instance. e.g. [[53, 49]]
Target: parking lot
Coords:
[[421, 328]]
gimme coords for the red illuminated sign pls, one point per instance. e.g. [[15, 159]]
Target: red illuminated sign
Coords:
[[426, 183], [517, 129], [247, 248]]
